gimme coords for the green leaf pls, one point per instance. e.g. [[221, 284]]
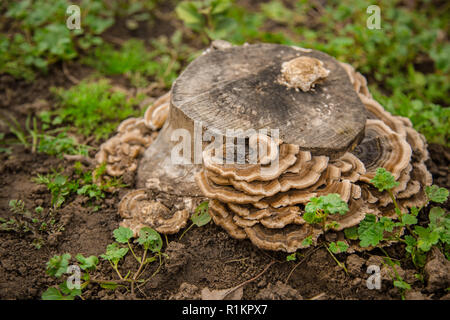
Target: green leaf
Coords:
[[351, 233], [342, 246], [410, 243], [220, 6], [436, 194], [114, 253], [150, 239], [109, 285], [338, 247], [440, 221], [370, 231], [332, 225], [52, 294], [427, 238], [333, 247], [276, 11], [402, 284], [69, 292], [387, 223], [384, 180], [122, 234], [89, 263], [408, 219], [311, 217], [188, 12], [201, 215], [150, 259], [291, 257], [57, 265], [307, 241], [330, 204]]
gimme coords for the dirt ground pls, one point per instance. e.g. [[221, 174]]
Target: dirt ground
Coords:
[[205, 257]]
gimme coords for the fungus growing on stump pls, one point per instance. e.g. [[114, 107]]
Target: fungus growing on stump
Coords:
[[235, 101]]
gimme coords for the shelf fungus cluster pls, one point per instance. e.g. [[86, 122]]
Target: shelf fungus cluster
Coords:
[[331, 137], [121, 152], [138, 210]]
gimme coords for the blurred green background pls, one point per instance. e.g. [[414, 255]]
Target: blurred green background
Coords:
[[147, 43]]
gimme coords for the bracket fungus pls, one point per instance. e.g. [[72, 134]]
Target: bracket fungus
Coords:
[[139, 210], [330, 139]]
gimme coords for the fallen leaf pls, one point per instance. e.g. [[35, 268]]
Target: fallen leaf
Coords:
[[235, 293]]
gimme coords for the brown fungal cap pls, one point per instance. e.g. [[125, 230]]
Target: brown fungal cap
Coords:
[[223, 218], [357, 79], [156, 114], [351, 167], [267, 144], [303, 73], [269, 217], [251, 172], [305, 177], [288, 239], [138, 210], [223, 193], [376, 111], [121, 152], [382, 147]]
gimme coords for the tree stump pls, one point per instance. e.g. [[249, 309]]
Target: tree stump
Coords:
[[242, 88]]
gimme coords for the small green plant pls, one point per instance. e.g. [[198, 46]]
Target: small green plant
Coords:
[[35, 140], [149, 242], [373, 230], [162, 63], [62, 187], [397, 280], [291, 257], [200, 217], [44, 38], [59, 186], [94, 107], [317, 210], [132, 57], [60, 145], [24, 221], [338, 247], [208, 17]]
